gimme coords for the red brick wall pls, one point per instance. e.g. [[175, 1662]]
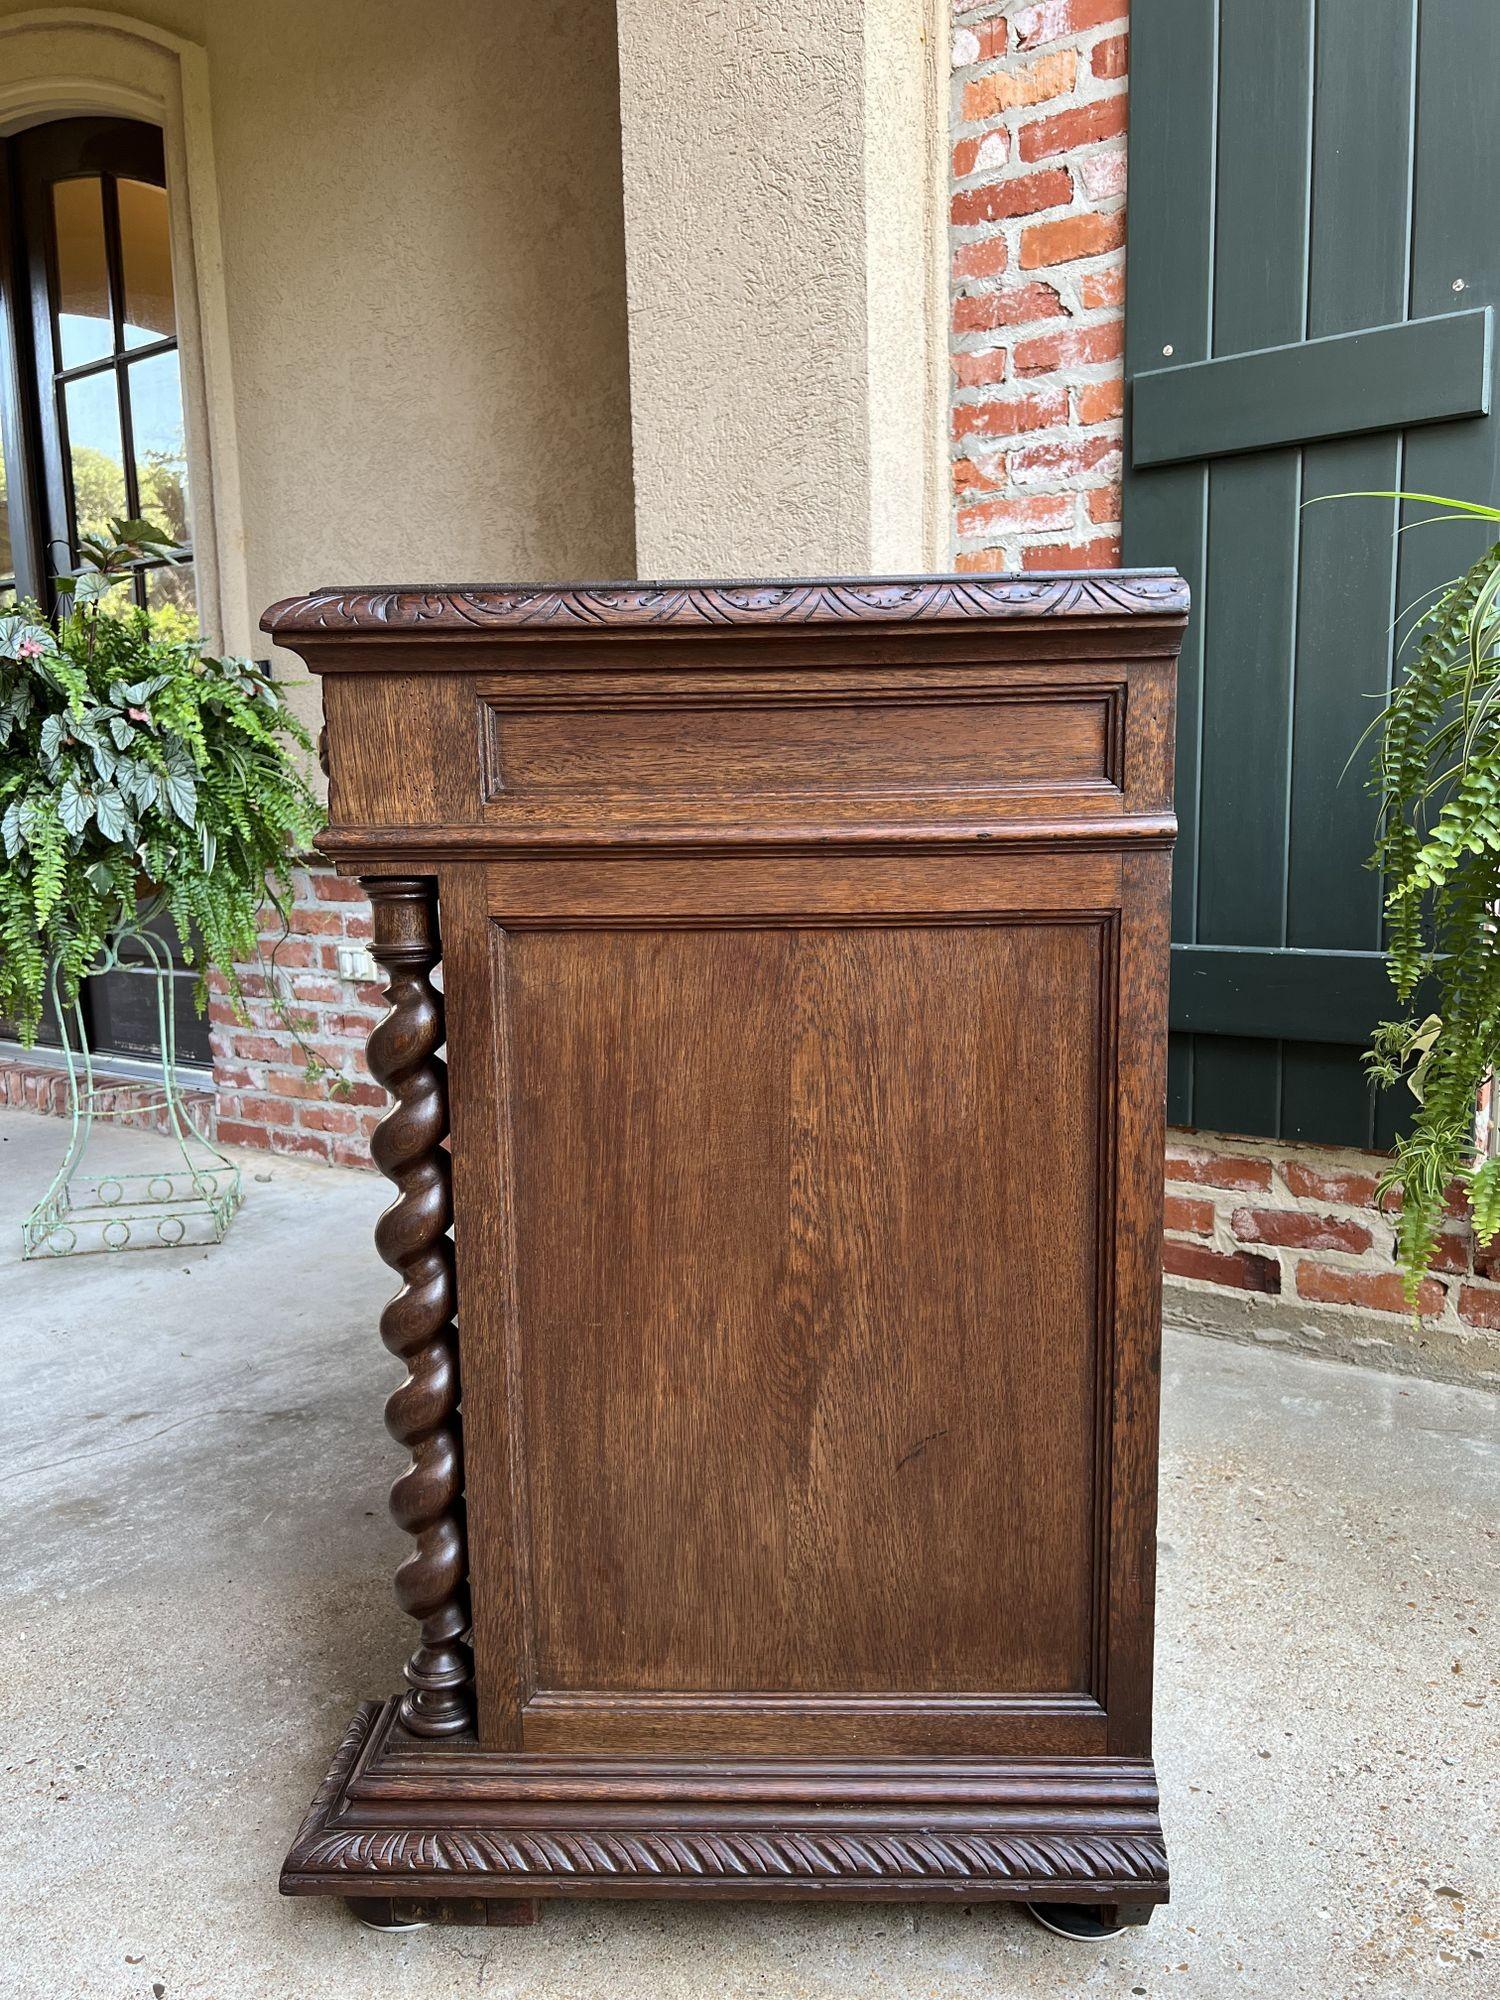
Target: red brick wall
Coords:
[[1290, 1243], [292, 1078], [32, 1082], [1038, 234], [311, 1095]]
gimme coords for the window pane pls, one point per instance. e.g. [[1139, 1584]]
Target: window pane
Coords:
[[146, 252], [160, 444], [96, 457], [172, 601], [84, 329]]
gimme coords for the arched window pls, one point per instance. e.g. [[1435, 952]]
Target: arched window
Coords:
[[92, 388], [91, 419]]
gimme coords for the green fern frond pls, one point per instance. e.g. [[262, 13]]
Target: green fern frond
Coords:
[[1437, 775]]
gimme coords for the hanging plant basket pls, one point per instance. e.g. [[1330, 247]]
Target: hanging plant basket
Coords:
[[130, 760]]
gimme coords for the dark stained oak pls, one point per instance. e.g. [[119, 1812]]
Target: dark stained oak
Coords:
[[783, 1399], [417, 1325], [719, 747], [621, 607], [781, 1267]]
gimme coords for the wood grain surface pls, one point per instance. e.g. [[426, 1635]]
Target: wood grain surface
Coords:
[[803, 981], [782, 1273]]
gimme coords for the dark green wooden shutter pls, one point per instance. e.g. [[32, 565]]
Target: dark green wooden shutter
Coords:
[[1314, 249]]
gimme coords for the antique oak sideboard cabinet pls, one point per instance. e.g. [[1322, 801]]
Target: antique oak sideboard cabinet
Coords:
[[781, 1317]]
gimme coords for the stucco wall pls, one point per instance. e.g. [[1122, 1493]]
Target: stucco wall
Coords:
[[746, 277], [423, 268], [906, 386], [785, 332]]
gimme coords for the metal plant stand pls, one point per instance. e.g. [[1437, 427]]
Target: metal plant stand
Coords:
[[86, 1211]]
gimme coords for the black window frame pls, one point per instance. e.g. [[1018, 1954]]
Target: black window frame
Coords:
[[18, 425], [33, 428], [109, 149]]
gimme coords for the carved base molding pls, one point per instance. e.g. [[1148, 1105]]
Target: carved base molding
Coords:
[[399, 1816]]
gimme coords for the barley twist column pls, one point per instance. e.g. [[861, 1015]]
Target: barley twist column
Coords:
[[417, 1325]]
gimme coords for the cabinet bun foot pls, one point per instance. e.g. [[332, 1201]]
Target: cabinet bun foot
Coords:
[[378, 1913], [1087, 1923], [407, 1913]]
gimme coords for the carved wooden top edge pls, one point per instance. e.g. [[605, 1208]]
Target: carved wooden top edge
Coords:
[[434, 609]]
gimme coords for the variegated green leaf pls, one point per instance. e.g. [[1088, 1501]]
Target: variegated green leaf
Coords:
[[74, 807], [182, 793], [109, 809]]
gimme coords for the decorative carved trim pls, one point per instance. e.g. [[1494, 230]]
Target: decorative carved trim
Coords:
[[417, 1326], [445, 1824], [344, 1759], [789, 1858], [899, 600]]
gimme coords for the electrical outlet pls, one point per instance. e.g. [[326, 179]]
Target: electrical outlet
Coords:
[[357, 965]]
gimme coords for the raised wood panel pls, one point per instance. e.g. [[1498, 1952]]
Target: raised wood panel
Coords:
[[780, 1278], [738, 749]]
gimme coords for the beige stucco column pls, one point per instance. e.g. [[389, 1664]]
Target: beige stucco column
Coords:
[[784, 267]]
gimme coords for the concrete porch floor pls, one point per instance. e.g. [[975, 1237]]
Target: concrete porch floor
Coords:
[[197, 1592]]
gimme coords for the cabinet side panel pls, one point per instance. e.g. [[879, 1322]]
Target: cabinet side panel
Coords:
[[1135, 1353], [806, 1267]]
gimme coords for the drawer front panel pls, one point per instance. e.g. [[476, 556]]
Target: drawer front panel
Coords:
[[476, 763], [687, 748]]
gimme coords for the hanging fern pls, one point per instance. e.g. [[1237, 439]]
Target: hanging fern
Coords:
[[128, 759], [1437, 774]]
